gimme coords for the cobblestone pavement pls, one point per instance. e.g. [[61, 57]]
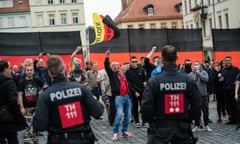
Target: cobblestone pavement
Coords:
[[221, 134]]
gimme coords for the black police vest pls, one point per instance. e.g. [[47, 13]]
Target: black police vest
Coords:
[[171, 98], [67, 108]]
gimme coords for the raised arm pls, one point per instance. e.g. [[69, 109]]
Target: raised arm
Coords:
[[78, 48], [151, 52]]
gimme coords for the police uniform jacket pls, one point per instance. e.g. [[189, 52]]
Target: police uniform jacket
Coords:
[[65, 107], [171, 95]]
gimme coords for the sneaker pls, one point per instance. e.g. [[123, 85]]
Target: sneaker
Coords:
[[126, 135], [208, 128], [196, 128], [115, 137], [137, 125]]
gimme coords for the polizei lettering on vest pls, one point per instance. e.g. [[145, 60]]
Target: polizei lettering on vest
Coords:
[[63, 94], [173, 86]]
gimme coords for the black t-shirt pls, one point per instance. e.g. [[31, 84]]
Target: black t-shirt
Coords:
[[30, 89]]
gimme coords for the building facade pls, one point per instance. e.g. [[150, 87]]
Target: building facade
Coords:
[[15, 16], [208, 14], [58, 15], [150, 14]]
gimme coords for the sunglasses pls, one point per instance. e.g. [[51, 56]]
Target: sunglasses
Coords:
[[134, 61]]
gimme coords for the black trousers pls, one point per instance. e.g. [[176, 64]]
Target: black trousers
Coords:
[[205, 110], [179, 135], [221, 106], [231, 105], [136, 101]]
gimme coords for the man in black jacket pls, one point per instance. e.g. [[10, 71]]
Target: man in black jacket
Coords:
[[229, 76], [166, 102], [8, 98], [137, 78], [120, 91], [64, 109]]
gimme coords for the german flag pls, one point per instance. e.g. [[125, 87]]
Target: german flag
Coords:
[[227, 43], [104, 28], [138, 42]]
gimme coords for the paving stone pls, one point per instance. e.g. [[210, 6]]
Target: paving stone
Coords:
[[221, 134]]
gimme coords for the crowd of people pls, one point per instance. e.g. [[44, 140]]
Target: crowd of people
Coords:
[[121, 88]]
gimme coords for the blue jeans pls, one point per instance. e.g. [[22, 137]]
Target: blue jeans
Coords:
[[122, 104]]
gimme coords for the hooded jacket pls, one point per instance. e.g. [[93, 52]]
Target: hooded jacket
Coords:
[[8, 96]]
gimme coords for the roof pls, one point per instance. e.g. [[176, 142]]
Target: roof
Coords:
[[163, 10]]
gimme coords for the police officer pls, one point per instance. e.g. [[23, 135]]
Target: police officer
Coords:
[[64, 109], [169, 100]]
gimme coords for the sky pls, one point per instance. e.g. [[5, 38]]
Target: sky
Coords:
[[103, 7]]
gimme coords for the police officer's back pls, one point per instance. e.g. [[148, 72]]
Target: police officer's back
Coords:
[[64, 109], [166, 102]]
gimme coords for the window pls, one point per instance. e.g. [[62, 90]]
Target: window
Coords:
[[74, 1], [150, 11], [190, 4], [22, 21], [210, 23], [75, 18], [197, 25], [1, 22], [196, 3], [174, 25], [163, 25], [63, 19], [191, 26], [130, 26], [227, 20], [141, 26], [50, 2], [38, 2], [209, 2], [10, 22], [204, 29], [220, 21], [51, 20], [62, 1], [39, 20], [152, 26], [20, 1], [185, 5], [6, 3]]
